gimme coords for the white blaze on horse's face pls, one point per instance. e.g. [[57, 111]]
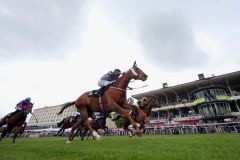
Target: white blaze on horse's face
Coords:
[[138, 73], [134, 72]]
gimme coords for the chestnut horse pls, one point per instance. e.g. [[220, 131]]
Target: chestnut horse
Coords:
[[113, 99], [16, 120], [146, 108]]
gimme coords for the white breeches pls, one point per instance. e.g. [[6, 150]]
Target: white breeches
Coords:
[[103, 83]]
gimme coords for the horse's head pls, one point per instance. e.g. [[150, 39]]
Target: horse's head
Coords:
[[137, 73], [28, 108], [149, 103]]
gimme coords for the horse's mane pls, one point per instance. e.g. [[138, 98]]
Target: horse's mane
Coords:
[[119, 79]]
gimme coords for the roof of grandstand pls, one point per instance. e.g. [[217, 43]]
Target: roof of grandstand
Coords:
[[224, 79]]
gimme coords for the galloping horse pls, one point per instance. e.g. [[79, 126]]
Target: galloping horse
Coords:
[[113, 99], [66, 123], [97, 124], [16, 120], [146, 108]]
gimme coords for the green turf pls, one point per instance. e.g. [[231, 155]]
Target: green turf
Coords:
[[166, 147]]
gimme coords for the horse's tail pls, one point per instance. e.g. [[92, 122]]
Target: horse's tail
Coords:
[[60, 123], [66, 105]]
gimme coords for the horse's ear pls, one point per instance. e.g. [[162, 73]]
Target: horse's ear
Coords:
[[134, 63]]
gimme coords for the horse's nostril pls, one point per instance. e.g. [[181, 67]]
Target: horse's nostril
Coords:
[[145, 76]]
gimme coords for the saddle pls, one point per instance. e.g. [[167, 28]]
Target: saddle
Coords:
[[97, 93]]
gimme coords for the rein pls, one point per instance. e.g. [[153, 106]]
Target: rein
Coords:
[[128, 89], [119, 88], [35, 117], [139, 87]]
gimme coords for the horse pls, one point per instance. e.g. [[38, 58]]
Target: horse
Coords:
[[15, 120], [96, 124], [66, 123], [112, 99], [19, 131], [146, 108]]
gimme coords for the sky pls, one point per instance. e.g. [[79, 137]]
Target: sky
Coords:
[[55, 50]]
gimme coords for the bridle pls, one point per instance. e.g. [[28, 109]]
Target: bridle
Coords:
[[135, 74]]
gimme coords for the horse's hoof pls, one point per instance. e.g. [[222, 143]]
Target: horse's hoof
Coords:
[[68, 142], [98, 138], [139, 134]]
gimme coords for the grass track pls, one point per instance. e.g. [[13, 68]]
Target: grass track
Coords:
[[166, 147]]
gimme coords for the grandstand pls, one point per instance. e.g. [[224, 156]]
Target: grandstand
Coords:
[[213, 99]]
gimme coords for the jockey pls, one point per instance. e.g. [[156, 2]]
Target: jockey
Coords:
[[22, 104], [130, 100], [77, 114], [97, 115], [108, 79], [141, 102]]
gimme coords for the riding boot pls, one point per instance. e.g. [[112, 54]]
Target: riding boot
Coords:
[[100, 91]]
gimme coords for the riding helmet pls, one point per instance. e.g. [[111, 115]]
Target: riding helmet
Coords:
[[117, 71], [28, 99]]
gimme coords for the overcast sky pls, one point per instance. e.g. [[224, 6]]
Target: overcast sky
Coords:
[[54, 50]]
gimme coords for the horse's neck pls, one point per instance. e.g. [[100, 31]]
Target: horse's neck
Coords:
[[147, 110], [27, 109], [18, 115], [123, 81]]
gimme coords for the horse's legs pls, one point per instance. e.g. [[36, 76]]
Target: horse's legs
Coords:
[[58, 133], [87, 124], [142, 126], [3, 121], [63, 130], [88, 134], [141, 115], [18, 130], [105, 128], [78, 132], [125, 115], [83, 134], [93, 136], [5, 131], [129, 132], [75, 126]]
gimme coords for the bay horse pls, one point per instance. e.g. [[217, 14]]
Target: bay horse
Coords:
[[113, 99], [97, 124], [16, 120], [146, 108], [66, 123]]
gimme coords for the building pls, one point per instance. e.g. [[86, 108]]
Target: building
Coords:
[[47, 116], [207, 100]]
